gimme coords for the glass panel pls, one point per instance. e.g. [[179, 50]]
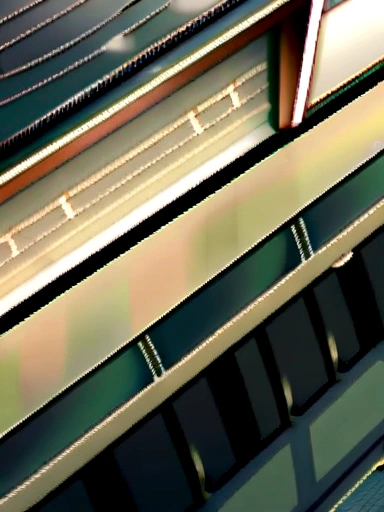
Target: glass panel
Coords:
[[259, 388], [203, 427], [224, 297], [152, 469], [297, 352], [336, 317], [66, 419]]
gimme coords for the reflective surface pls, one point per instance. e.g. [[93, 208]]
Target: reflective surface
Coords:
[[350, 41]]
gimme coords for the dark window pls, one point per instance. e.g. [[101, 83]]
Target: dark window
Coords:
[[298, 353], [152, 469], [73, 498], [259, 388], [200, 419], [337, 319], [361, 300]]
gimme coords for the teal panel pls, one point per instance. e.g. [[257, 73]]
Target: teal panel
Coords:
[[66, 419], [191, 323]]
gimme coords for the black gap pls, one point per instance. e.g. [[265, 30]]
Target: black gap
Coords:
[[361, 302], [320, 330], [270, 363], [105, 485], [183, 450], [231, 397]]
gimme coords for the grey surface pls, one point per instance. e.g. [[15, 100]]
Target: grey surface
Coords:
[[282, 477], [73, 25], [22, 23]]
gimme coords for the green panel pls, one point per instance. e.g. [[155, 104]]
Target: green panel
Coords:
[[346, 422], [272, 489]]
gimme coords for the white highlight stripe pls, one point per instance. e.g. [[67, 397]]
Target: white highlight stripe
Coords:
[[308, 60]]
